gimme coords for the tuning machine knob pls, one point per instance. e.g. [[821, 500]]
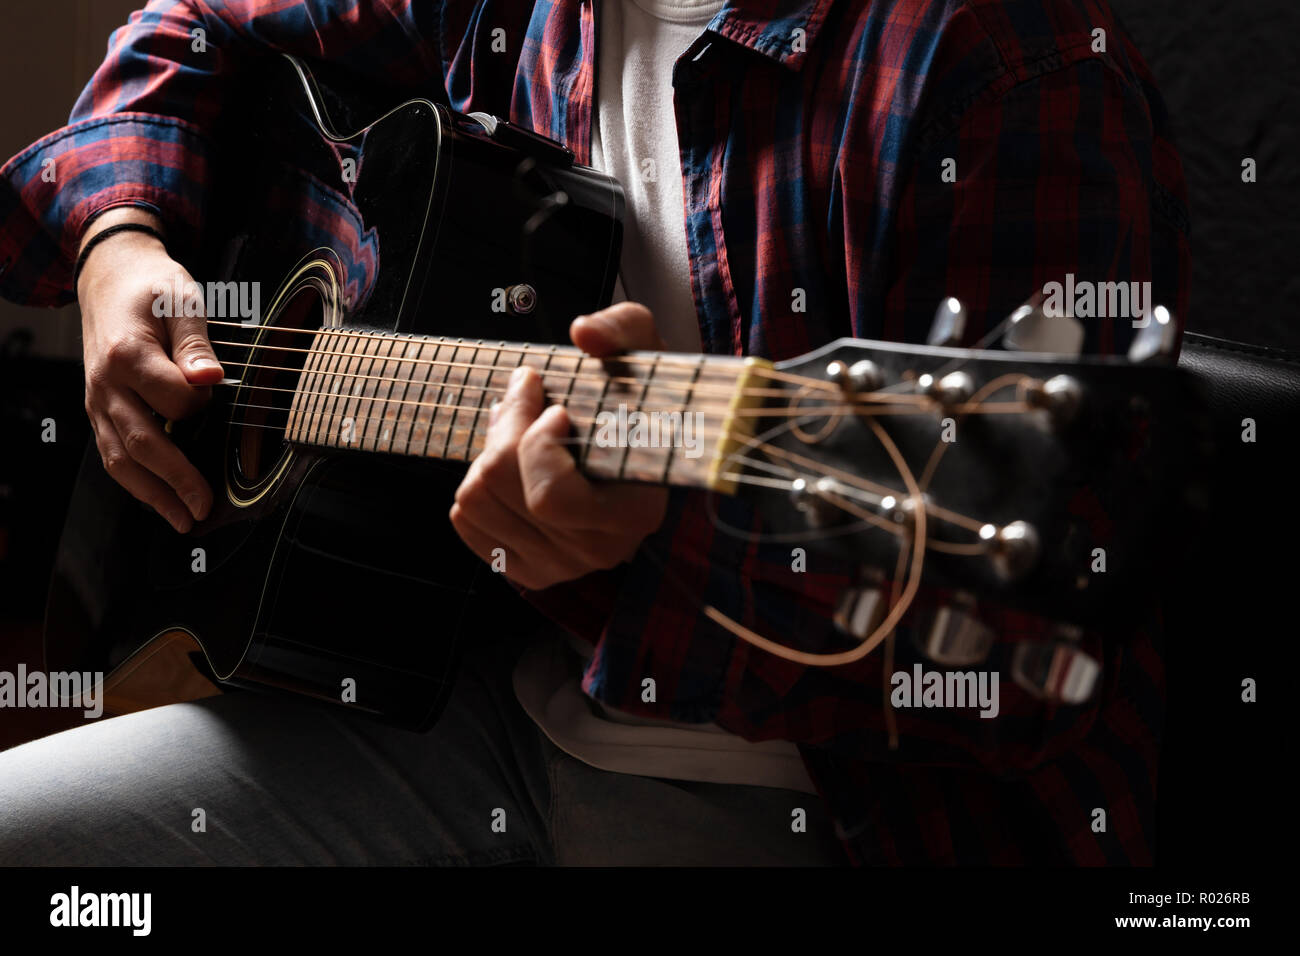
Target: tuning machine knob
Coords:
[[1057, 670], [901, 511], [862, 376], [862, 607], [1156, 340], [951, 635], [949, 323], [1060, 396], [955, 388], [1012, 549], [1030, 329], [814, 503]]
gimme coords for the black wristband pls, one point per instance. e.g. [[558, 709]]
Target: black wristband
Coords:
[[101, 236]]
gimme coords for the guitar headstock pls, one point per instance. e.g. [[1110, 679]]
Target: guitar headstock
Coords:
[[1049, 482]]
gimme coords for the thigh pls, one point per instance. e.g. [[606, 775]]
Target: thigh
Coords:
[[251, 779], [600, 818]]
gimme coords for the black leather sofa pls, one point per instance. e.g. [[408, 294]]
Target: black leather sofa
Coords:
[[1229, 617]]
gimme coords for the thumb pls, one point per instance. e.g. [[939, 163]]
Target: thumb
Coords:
[[190, 348], [624, 327]]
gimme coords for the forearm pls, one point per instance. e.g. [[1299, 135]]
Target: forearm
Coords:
[[140, 133]]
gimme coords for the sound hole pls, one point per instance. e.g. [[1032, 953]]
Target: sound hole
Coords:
[[275, 362]]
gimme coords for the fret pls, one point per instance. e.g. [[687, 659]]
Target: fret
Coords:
[[640, 406], [574, 371], [476, 379], [498, 378], [328, 388], [370, 383], [651, 417], [431, 393], [667, 428], [338, 417], [596, 395], [390, 415], [347, 424], [412, 412], [563, 365], [686, 403], [377, 427], [445, 410]]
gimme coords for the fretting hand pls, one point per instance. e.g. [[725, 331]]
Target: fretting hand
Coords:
[[524, 493]]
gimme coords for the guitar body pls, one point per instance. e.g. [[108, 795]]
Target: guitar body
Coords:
[[335, 576]]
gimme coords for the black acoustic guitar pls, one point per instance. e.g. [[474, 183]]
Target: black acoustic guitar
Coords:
[[370, 286]]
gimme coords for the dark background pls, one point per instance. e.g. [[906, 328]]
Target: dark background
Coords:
[[1228, 74]]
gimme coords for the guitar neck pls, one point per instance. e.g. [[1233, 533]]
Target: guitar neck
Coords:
[[652, 417]]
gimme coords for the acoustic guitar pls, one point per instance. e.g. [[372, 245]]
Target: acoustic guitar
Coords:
[[369, 286]]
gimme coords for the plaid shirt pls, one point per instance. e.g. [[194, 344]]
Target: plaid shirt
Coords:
[[814, 136]]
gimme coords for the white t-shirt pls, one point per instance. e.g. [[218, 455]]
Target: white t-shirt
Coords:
[[634, 138]]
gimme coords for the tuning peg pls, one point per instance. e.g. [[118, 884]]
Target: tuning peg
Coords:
[[949, 323], [951, 634], [1012, 549], [901, 511], [862, 607], [1156, 340], [862, 376], [953, 389], [1031, 329], [1060, 396], [814, 502], [1057, 670]]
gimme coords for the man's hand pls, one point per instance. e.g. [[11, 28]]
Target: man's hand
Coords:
[[138, 363], [524, 493]]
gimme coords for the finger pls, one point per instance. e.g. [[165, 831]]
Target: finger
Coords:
[[492, 496], [131, 475], [557, 494], [620, 328], [164, 387], [190, 348], [495, 471], [528, 562], [143, 439], [519, 407]]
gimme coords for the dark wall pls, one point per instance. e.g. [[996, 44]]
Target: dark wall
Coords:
[[1228, 71]]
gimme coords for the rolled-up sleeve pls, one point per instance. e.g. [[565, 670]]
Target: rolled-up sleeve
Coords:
[[140, 132]]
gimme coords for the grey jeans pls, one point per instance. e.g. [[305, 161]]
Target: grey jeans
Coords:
[[244, 779]]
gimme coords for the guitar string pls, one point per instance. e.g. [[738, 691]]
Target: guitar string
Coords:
[[936, 511], [726, 390], [878, 490], [1005, 408], [441, 341], [989, 388], [899, 603], [657, 358], [919, 404], [684, 384]]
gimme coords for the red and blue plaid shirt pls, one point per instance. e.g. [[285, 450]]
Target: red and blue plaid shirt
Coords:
[[814, 137]]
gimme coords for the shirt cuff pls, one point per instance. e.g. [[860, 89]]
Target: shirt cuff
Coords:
[[50, 191]]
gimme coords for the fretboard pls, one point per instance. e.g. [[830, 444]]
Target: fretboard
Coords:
[[652, 417]]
